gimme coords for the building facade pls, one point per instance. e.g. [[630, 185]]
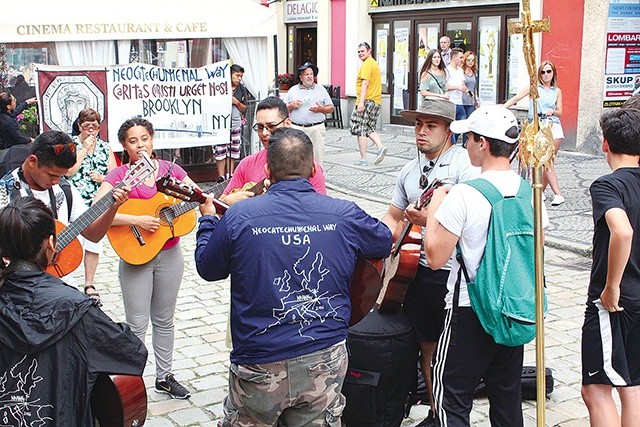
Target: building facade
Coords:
[[401, 32]]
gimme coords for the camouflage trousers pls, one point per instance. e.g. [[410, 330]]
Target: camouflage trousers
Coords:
[[301, 391]]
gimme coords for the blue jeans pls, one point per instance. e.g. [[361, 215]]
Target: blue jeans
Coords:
[[468, 109], [460, 115]]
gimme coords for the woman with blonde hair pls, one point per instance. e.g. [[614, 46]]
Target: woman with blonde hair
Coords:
[[549, 111]]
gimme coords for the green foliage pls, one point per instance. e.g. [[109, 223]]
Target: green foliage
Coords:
[[28, 121]]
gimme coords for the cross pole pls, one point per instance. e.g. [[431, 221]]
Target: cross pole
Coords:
[[537, 151]]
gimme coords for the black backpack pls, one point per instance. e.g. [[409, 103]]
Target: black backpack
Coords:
[[13, 157]]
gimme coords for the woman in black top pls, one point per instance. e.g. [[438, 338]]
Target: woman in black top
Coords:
[[10, 133]]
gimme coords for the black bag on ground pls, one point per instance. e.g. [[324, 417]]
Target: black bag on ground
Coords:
[[382, 361], [528, 385], [13, 157]]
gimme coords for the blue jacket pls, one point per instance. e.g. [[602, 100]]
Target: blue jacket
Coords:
[[291, 254]]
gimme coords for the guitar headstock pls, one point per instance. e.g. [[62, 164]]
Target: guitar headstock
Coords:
[[180, 190], [139, 171]]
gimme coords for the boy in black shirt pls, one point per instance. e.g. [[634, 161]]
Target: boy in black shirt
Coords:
[[611, 331]]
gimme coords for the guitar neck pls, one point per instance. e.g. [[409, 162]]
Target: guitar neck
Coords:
[[74, 229]]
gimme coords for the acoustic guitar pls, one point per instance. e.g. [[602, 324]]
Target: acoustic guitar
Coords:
[[402, 265], [119, 401], [367, 278], [69, 251], [174, 205], [256, 188]]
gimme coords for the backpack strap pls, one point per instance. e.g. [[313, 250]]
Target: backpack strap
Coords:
[[488, 190]]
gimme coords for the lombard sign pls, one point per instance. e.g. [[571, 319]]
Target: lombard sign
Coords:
[[300, 11]]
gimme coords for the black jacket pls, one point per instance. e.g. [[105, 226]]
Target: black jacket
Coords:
[[10, 133], [54, 342]]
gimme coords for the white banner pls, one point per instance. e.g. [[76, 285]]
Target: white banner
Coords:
[[187, 106]]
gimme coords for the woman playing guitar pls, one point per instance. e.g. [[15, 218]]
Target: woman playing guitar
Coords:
[[150, 290]]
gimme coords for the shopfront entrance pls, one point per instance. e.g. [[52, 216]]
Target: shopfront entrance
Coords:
[[403, 40]]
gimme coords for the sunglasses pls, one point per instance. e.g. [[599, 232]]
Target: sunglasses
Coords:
[[546, 71], [259, 127], [59, 148], [471, 59], [424, 178], [90, 126], [365, 44]]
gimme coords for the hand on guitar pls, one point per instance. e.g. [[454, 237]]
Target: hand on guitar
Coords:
[[208, 208], [120, 195], [416, 216], [146, 222], [235, 197]]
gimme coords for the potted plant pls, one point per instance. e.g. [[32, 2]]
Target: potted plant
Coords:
[[285, 81], [28, 121]]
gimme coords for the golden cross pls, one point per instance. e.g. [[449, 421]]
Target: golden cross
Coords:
[[527, 27]]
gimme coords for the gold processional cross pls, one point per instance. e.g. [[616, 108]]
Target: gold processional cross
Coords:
[[537, 151]]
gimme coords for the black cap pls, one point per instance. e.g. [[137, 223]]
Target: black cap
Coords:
[[308, 65]]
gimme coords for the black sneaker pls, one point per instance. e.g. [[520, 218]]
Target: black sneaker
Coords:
[[172, 387], [428, 422]]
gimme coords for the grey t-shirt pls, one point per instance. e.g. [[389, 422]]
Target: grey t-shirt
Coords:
[[454, 165]]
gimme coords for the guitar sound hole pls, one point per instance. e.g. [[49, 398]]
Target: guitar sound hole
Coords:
[[166, 216]]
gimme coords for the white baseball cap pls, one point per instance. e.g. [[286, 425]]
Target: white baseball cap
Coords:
[[491, 121]]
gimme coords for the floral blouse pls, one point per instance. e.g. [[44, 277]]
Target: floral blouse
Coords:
[[99, 162]]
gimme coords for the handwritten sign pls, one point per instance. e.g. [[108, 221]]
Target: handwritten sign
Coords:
[[187, 106]]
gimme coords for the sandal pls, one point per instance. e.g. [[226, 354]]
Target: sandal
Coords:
[[93, 295]]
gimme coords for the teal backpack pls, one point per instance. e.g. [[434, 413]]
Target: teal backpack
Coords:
[[503, 295]]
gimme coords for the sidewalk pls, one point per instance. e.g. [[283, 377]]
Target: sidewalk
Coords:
[[201, 359], [571, 225]]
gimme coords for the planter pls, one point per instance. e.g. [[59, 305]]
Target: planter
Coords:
[[285, 86]]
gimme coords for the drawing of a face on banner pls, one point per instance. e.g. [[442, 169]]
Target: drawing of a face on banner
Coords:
[[66, 96]]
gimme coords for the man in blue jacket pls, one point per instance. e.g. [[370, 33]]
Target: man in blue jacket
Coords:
[[291, 254]]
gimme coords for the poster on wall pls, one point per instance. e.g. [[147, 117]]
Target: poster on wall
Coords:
[[401, 68], [64, 93], [188, 107], [381, 53], [622, 65], [488, 60]]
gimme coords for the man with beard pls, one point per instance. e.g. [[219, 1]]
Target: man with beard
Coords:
[[437, 159]]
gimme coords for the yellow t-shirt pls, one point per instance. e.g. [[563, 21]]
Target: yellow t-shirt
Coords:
[[370, 71]]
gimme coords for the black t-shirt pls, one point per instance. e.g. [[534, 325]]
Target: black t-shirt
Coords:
[[619, 189]]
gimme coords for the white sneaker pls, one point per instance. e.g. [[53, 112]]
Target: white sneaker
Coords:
[[557, 200]]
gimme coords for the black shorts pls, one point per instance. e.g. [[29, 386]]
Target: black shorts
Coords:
[[424, 303], [610, 346]]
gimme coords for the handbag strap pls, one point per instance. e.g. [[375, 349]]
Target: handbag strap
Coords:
[[437, 82]]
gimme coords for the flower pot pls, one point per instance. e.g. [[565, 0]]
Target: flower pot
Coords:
[[285, 86]]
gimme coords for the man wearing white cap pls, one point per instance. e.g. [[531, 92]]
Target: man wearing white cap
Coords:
[[436, 158], [465, 352]]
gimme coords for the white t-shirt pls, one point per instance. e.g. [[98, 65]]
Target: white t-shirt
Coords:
[[456, 78], [465, 212], [77, 209]]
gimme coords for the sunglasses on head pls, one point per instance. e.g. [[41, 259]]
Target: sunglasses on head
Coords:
[[59, 148]]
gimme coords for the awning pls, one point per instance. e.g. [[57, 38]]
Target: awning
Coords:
[[66, 20]]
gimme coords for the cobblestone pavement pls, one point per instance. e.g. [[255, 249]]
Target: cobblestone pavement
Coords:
[[201, 358]]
